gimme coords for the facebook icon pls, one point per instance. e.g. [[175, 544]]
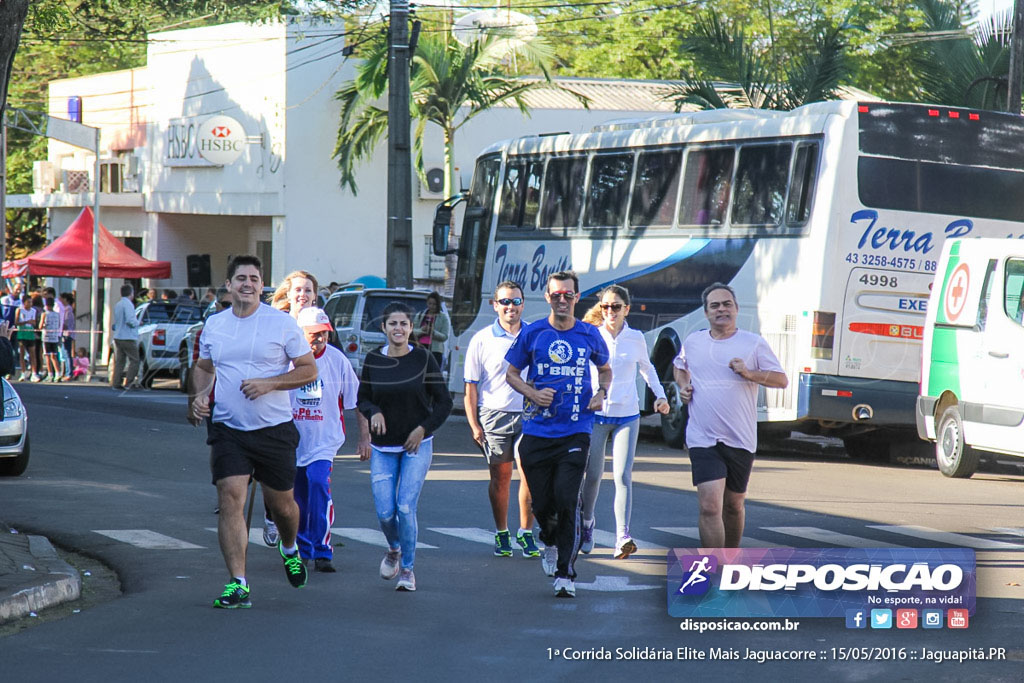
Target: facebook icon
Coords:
[[856, 618]]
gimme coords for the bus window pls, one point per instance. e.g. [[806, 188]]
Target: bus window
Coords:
[[1014, 290], [655, 189], [801, 187], [531, 194], [608, 191], [761, 175], [707, 180], [476, 233], [511, 195], [562, 197]]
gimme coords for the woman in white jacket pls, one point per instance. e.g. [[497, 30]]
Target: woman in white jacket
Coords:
[[619, 418]]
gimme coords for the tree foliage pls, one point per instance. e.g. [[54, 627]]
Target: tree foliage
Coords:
[[451, 83]]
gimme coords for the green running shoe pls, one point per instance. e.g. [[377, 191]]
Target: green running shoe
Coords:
[[294, 568], [503, 544], [235, 595], [529, 546]]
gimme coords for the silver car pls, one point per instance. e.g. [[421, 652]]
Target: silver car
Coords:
[[14, 448]]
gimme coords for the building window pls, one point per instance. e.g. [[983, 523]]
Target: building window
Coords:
[[433, 266]]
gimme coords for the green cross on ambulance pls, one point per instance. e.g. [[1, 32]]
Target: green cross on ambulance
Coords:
[[972, 367]]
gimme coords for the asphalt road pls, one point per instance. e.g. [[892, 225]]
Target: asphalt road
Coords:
[[122, 478]]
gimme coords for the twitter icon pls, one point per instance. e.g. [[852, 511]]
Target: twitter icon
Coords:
[[881, 618]]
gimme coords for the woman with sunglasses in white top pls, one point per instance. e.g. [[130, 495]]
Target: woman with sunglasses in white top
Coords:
[[619, 418]]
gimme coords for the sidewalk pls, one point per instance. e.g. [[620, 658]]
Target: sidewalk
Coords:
[[32, 576]]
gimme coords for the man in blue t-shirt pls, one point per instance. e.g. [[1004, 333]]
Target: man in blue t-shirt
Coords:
[[558, 416]]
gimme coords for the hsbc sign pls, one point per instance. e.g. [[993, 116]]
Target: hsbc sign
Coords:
[[216, 141]]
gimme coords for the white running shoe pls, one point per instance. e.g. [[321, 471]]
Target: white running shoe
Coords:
[[625, 547], [270, 534], [389, 565], [565, 588], [407, 581], [549, 560], [36, 378], [587, 534]]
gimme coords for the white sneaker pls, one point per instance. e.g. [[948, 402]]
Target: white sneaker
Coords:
[[624, 547], [270, 533], [36, 378], [587, 534], [549, 559], [24, 377], [565, 588], [389, 565], [407, 581]]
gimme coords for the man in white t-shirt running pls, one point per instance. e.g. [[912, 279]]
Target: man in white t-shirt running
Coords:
[[494, 410], [317, 410], [249, 351], [718, 371]]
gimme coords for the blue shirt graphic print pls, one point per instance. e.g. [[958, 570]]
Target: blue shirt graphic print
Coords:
[[559, 360]]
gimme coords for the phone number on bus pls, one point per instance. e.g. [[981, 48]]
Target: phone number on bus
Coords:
[[883, 261]]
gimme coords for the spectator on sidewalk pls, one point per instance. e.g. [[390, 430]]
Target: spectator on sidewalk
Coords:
[[27, 320], [50, 326], [126, 342]]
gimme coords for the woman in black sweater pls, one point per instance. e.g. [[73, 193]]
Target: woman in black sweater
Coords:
[[404, 397]]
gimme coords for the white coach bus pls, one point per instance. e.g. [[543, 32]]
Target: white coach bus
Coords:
[[827, 221]]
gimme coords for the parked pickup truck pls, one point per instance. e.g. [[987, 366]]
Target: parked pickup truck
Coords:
[[162, 326]]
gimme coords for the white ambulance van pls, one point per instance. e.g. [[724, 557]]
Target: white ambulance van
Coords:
[[972, 364]]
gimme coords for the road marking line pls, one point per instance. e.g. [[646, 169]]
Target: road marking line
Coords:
[[371, 537], [255, 534], [825, 536], [144, 538], [473, 534], [947, 537], [693, 532], [615, 584]]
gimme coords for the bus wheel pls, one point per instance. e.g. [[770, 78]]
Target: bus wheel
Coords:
[[673, 425], [872, 447], [954, 457]]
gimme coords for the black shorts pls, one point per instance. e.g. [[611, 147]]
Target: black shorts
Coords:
[[51, 347], [722, 462], [268, 454]]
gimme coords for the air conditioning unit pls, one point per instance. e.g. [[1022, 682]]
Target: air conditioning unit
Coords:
[[44, 179], [74, 182], [433, 188]]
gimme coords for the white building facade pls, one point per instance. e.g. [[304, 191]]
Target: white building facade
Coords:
[[280, 198]]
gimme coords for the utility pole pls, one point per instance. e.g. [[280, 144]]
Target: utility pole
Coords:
[[1016, 59], [399, 234]]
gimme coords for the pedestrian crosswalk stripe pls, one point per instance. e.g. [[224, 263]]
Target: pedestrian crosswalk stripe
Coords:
[[694, 532], [255, 534], [609, 540], [947, 537], [144, 538], [371, 537], [474, 534], [812, 533]]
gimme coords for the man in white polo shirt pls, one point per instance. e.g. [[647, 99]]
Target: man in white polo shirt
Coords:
[[494, 411]]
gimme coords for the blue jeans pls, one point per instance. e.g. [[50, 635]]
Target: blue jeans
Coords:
[[396, 480]]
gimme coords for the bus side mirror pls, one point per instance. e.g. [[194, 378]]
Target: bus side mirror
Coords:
[[442, 224]]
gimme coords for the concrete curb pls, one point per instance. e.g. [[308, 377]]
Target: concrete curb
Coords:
[[40, 578]]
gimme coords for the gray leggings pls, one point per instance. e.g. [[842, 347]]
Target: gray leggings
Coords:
[[623, 449]]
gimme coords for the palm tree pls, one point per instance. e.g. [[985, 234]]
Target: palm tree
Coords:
[[971, 69], [451, 83], [736, 71]]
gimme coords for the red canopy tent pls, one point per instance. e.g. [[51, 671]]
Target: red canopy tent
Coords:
[[70, 255]]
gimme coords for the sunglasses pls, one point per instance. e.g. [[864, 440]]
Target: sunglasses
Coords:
[[515, 301], [612, 307], [568, 296]]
